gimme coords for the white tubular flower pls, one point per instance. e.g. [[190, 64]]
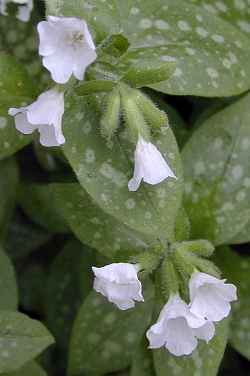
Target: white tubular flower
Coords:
[[45, 115], [119, 283], [66, 46], [150, 166], [24, 9], [178, 329], [210, 297]]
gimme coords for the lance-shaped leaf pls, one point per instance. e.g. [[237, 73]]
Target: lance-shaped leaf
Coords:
[[94, 227], [103, 331], [22, 339], [29, 369], [105, 169], [211, 55], [216, 163]]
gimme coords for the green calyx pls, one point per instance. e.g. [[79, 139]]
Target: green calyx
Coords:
[[169, 279], [133, 116], [149, 260], [191, 256], [111, 118]]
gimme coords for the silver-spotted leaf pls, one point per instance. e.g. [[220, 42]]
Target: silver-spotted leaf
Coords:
[[22, 339], [103, 330], [211, 55], [94, 227], [217, 178], [104, 171]]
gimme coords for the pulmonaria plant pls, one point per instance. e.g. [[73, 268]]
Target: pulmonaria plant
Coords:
[[119, 283], [44, 115], [66, 46], [24, 8]]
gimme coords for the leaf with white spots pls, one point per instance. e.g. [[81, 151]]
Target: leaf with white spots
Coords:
[[105, 169], [35, 200], [94, 227], [101, 331], [217, 178], [29, 369], [21, 340], [69, 282], [211, 55], [243, 236], [204, 361], [8, 188], [235, 12], [8, 286], [236, 269]]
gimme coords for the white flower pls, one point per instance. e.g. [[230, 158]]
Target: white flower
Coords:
[[119, 283], [24, 9], [150, 165], [210, 297], [66, 46], [178, 329], [45, 115]]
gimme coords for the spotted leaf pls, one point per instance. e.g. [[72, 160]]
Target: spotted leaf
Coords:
[[100, 328], [22, 339], [211, 55], [104, 171], [94, 227], [217, 164]]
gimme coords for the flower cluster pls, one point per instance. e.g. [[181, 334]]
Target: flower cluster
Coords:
[[67, 49], [179, 325]]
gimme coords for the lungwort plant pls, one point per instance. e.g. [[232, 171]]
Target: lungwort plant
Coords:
[[125, 187]]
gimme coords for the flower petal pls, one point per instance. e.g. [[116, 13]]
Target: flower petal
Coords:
[[180, 339], [205, 332]]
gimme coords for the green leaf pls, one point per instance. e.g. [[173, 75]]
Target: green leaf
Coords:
[[211, 54], [204, 361], [102, 331], [20, 39], [243, 236], [236, 269], [22, 339], [8, 286], [29, 369], [234, 12], [142, 364], [8, 187], [94, 227], [216, 165], [69, 282], [35, 200], [104, 171]]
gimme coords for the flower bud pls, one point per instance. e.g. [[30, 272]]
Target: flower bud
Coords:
[[111, 117], [155, 117], [169, 278]]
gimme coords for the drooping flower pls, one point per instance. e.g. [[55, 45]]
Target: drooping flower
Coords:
[[210, 297], [150, 166], [178, 330], [45, 115], [24, 9], [66, 46], [119, 283]]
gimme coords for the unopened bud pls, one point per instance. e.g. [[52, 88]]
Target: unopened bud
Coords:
[[111, 117]]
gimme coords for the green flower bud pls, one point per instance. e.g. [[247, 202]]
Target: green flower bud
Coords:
[[134, 118], [201, 247], [169, 278], [111, 117], [155, 117]]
